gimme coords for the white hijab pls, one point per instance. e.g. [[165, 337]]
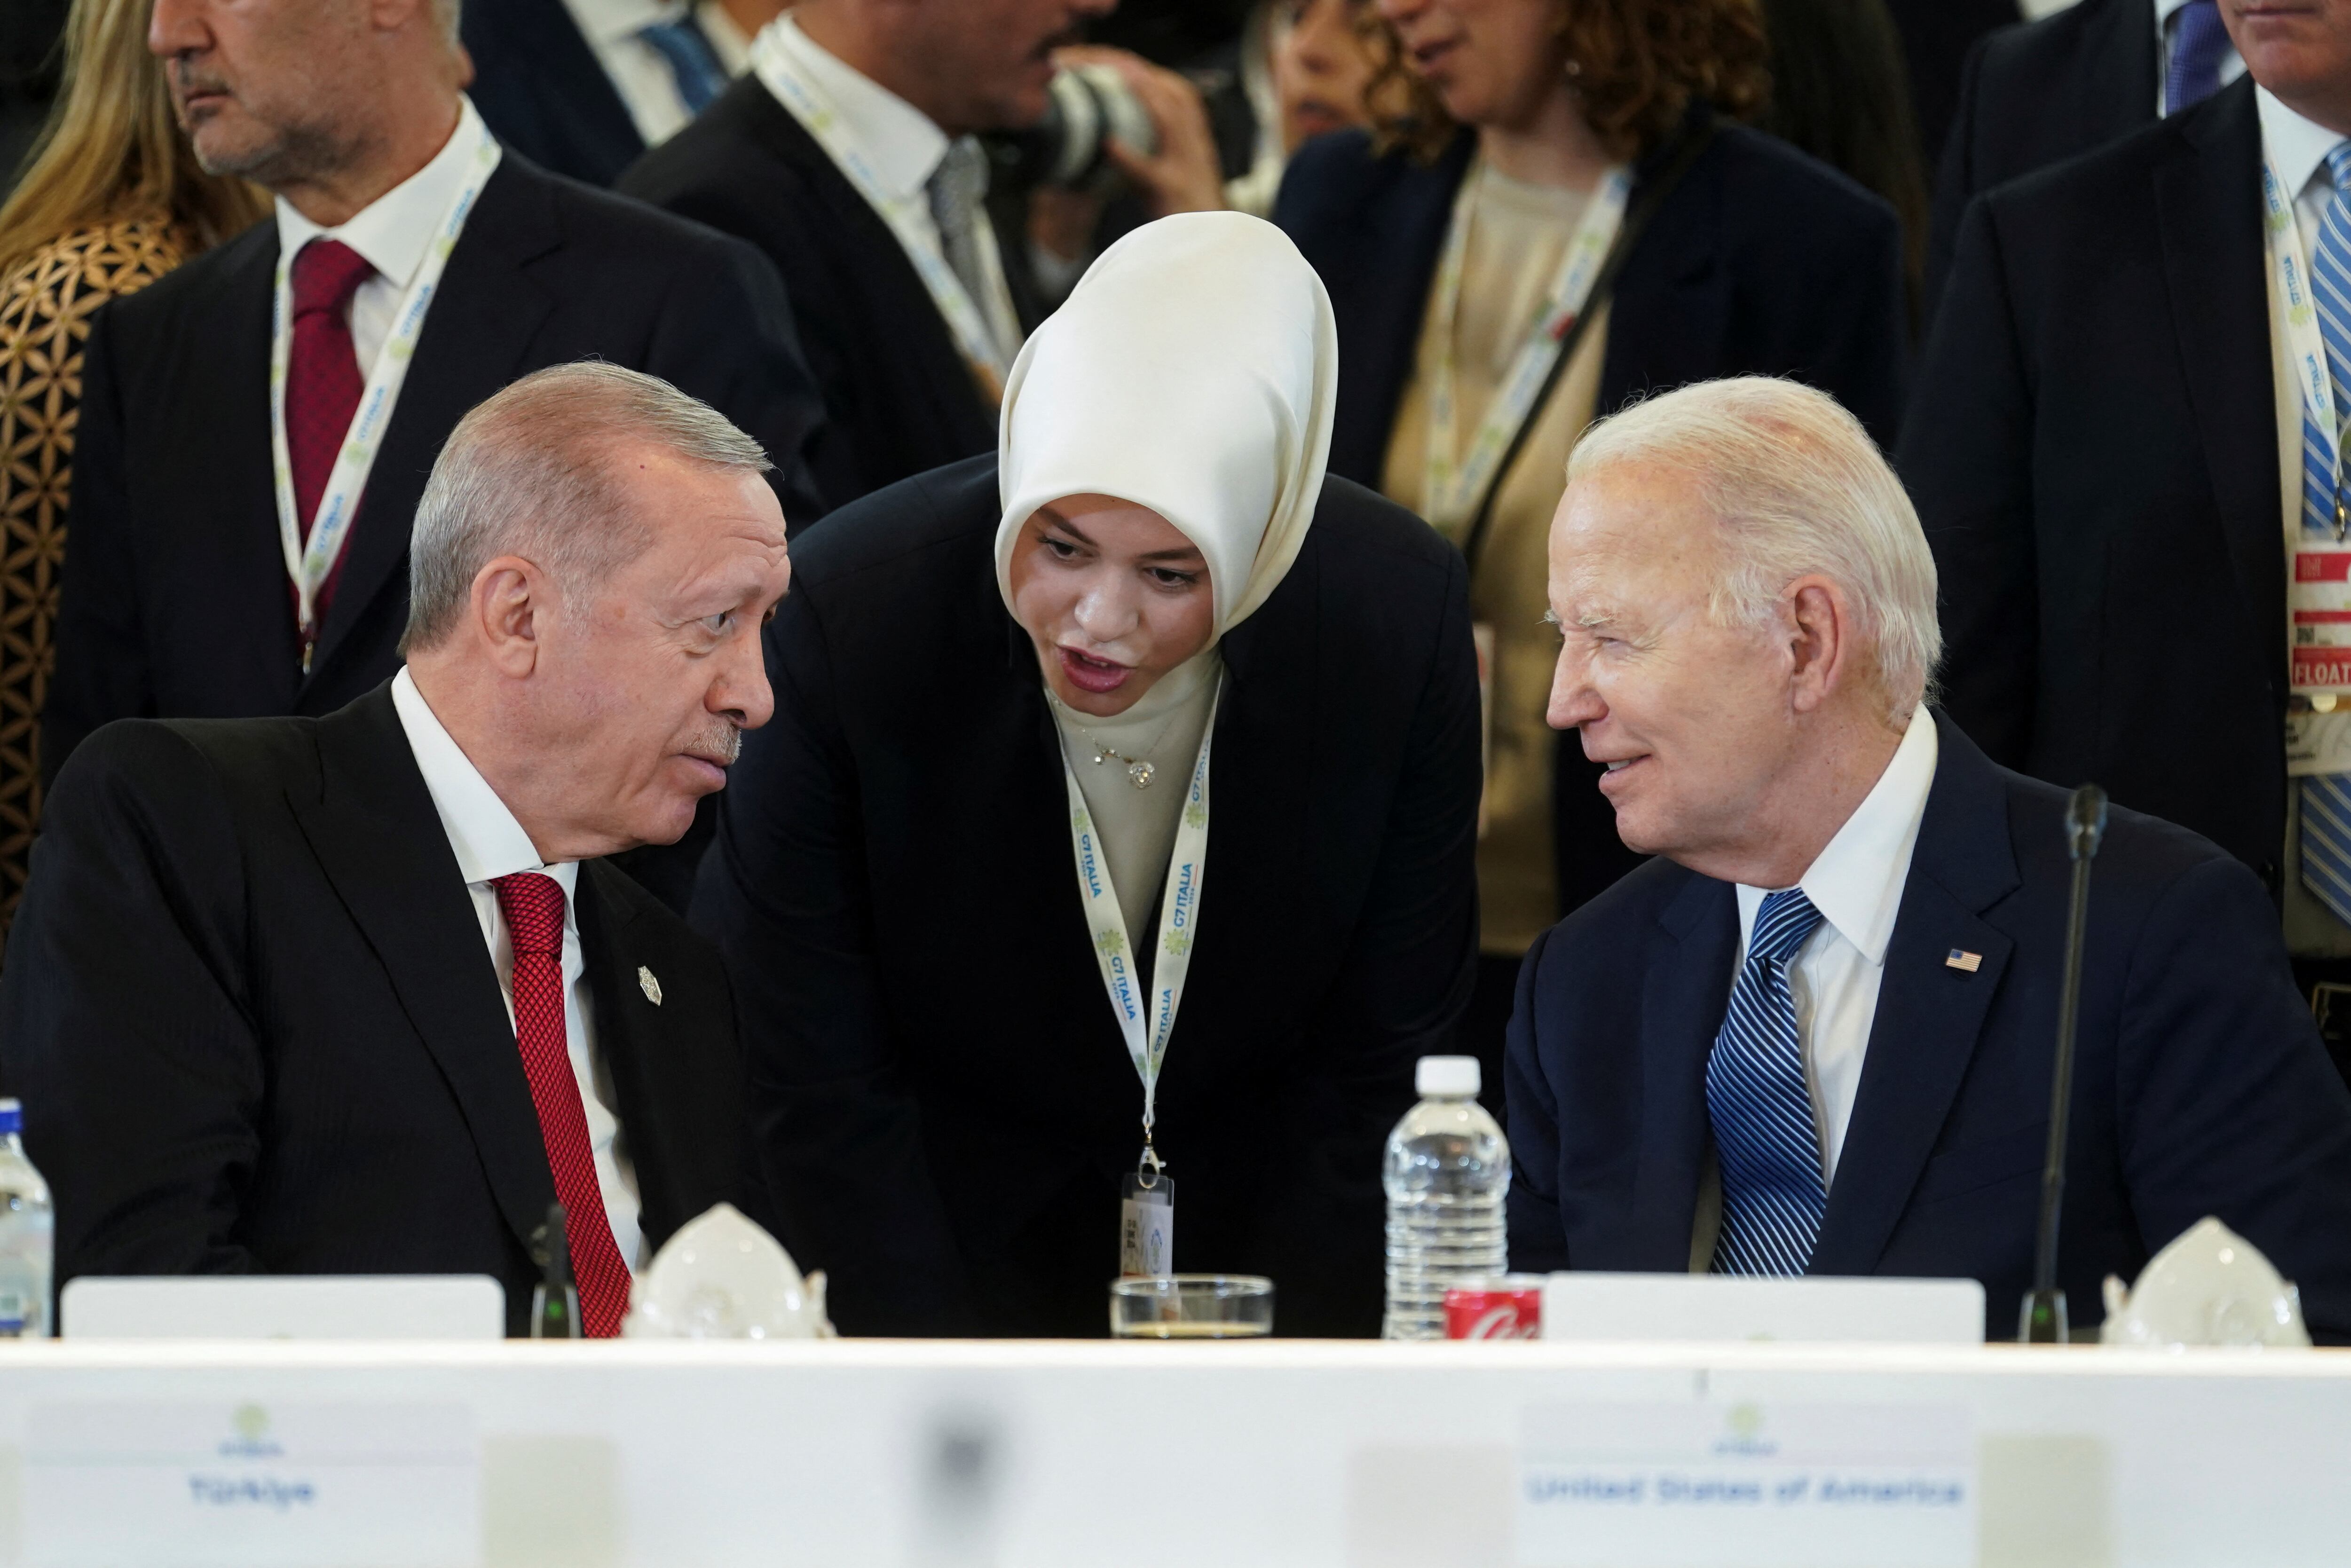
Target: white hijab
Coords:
[[1194, 370]]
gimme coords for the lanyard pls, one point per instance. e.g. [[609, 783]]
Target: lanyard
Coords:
[[1456, 482], [2319, 592], [2303, 336], [309, 565], [1147, 1022], [981, 343]]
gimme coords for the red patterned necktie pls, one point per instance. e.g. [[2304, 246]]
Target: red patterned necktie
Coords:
[[323, 381], [533, 906]]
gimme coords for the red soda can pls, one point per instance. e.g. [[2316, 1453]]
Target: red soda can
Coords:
[[1497, 1306]]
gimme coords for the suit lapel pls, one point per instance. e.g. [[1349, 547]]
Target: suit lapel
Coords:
[[1393, 264], [377, 835], [2208, 206], [1930, 1015], [477, 339], [1687, 992], [1672, 299]]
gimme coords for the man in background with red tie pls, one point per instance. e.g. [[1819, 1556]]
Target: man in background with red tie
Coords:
[[357, 995], [254, 438]]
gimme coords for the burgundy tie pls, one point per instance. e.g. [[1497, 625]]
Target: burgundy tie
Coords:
[[533, 905], [323, 381]]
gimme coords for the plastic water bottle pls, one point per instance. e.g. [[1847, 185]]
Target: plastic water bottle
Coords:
[[1446, 1174], [28, 1233]]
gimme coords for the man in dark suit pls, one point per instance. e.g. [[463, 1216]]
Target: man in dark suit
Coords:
[[1814, 1036], [2038, 94], [2107, 450], [846, 155], [182, 594], [354, 994]]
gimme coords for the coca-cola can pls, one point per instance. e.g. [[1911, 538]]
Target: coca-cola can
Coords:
[[1498, 1306]]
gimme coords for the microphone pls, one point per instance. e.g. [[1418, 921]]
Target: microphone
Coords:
[[2043, 1318]]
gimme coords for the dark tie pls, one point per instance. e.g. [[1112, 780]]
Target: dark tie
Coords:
[[323, 379], [533, 907], [691, 60], [2199, 44], [1761, 1106]]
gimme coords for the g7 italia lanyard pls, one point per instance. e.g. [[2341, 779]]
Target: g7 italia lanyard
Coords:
[[2319, 597], [990, 358], [1147, 1022], [309, 565], [1455, 482]]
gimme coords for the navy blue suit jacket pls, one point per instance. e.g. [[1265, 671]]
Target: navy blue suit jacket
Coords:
[[2201, 1086], [1762, 262]]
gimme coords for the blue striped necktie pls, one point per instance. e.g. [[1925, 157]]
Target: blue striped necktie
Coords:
[[1762, 1107], [692, 61], [2326, 798]]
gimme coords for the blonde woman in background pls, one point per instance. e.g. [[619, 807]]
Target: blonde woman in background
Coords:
[[111, 199]]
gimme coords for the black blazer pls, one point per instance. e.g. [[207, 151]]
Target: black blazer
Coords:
[[540, 89], [2094, 452], [1761, 261], [943, 1097], [256, 1030], [175, 599], [2201, 1086], [1936, 35], [899, 397], [2038, 94]]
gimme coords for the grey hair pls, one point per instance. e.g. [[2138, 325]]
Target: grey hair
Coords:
[[1797, 488], [531, 472]]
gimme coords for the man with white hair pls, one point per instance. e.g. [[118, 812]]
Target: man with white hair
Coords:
[[1814, 1034], [356, 995]]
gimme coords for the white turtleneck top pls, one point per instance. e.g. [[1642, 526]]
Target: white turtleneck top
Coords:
[[1138, 827]]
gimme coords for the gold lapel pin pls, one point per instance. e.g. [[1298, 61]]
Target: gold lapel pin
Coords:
[[647, 984], [1967, 963]]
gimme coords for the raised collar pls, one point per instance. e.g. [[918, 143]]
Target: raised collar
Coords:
[[2297, 148], [483, 834], [1857, 882], [898, 141], [395, 230]]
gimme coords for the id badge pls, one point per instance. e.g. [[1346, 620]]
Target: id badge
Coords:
[[2320, 603], [1146, 1226]]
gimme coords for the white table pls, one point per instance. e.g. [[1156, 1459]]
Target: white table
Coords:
[[1296, 1454]]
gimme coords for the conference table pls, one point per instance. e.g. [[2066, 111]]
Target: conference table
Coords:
[[1107, 1455]]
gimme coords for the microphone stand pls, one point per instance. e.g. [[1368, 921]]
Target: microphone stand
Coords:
[[2043, 1318]]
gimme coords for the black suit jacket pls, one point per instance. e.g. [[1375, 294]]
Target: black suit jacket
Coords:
[[2038, 94], [540, 87], [1761, 261], [899, 397], [2201, 1086], [255, 1029], [940, 1088], [175, 599], [2093, 452]]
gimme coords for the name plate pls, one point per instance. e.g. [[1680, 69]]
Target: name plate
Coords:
[[1715, 1484], [252, 1485]]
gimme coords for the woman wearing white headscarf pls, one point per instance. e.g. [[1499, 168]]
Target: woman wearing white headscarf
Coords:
[[1120, 796]]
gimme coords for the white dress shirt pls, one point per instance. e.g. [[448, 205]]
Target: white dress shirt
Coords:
[[392, 231], [2232, 65], [1857, 885], [903, 147], [640, 73], [489, 843], [2297, 150]]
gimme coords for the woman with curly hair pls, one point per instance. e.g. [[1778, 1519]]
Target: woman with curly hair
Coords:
[[1556, 212]]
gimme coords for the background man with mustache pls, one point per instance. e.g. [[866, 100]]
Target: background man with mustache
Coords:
[[254, 435], [355, 993]]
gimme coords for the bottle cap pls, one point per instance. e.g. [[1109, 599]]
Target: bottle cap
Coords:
[[1448, 1075], [12, 1117]]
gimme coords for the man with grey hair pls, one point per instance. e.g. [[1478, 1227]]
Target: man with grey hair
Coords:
[[256, 432], [1814, 1035], [358, 994]]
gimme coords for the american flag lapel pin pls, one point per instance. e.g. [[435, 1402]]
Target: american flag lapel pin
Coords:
[[1963, 961]]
